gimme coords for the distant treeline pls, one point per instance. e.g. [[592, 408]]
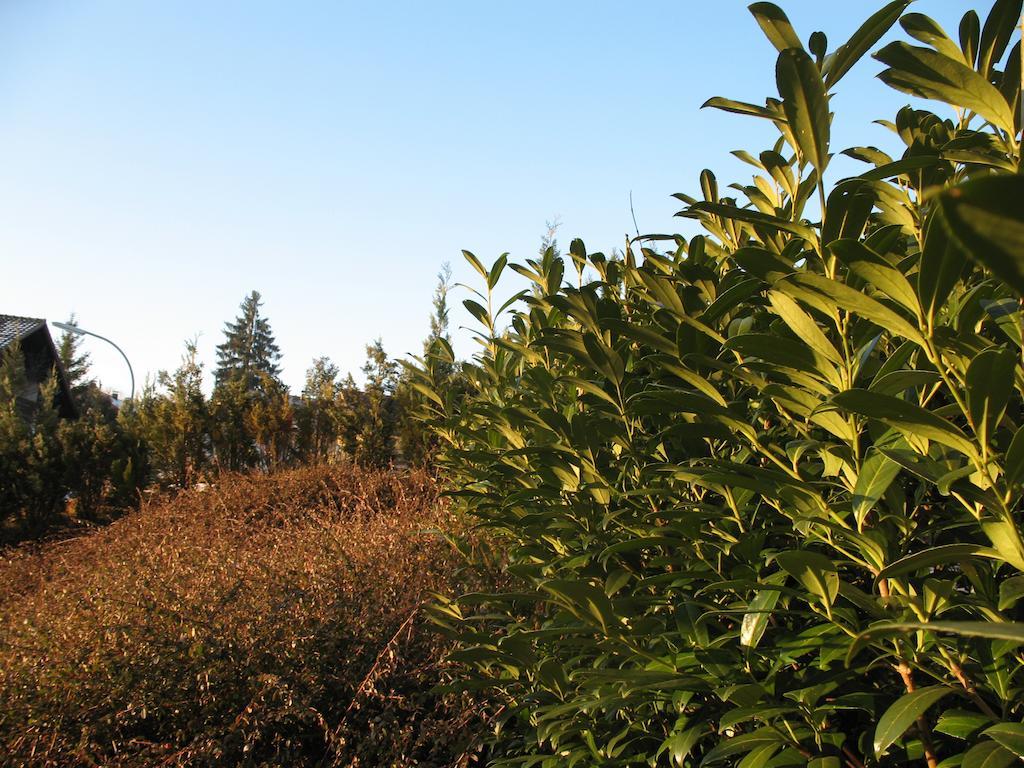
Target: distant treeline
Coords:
[[174, 436]]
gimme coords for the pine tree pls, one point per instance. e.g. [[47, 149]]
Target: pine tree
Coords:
[[233, 442], [31, 492], [549, 239], [73, 360], [320, 415], [175, 423], [439, 317], [271, 422], [15, 437], [249, 348], [415, 442], [374, 442]]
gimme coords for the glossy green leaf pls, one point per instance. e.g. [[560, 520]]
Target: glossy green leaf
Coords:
[[1009, 631], [927, 31], [942, 555], [906, 168], [752, 217], [784, 352], [902, 714], [969, 35], [759, 610], [494, 274], [984, 219], [586, 598], [679, 745], [815, 571], [921, 466], [931, 75], [758, 757], [805, 103], [1005, 537], [989, 383], [741, 108], [1009, 735], [896, 382], [961, 723], [906, 417], [475, 263], [738, 745], [1011, 590], [861, 41], [477, 310], [988, 754], [1000, 25], [1014, 463], [856, 302], [803, 325], [603, 358], [941, 266], [775, 24], [876, 474], [817, 44], [871, 267], [1008, 318]]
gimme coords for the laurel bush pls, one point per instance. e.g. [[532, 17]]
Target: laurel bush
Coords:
[[759, 489]]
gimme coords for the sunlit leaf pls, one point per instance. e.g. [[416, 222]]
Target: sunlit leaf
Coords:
[[931, 75], [805, 103], [895, 721], [984, 219]]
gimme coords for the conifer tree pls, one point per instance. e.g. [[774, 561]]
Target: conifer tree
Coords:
[[416, 444], [233, 442], [249, 348], [31, 493], [73, 360], [320, 415], [550, 237], [271, 421], [439, 317], [175, 423], [377, 417], [15, 437]]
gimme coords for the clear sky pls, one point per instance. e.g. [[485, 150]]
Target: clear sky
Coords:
[[159, 160]]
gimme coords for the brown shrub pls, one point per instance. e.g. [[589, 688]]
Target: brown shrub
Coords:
[[266, 620]]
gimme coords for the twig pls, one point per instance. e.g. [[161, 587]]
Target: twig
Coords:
[[633, 214], [923, 728], [368, 680]]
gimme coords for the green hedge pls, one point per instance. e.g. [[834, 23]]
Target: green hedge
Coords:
[[760, 489]]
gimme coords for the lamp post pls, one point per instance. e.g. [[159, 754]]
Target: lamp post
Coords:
[[81, 332]]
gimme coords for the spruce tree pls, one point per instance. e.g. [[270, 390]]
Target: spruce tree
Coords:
[[249, 348], [73, 360], [378, 415], [439, 317], [176, 423], [415, 443], [319, 416]]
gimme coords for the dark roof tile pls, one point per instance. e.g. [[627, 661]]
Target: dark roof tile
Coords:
[[13, 328]]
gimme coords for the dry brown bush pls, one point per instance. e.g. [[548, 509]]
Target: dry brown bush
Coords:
[[264, 621]]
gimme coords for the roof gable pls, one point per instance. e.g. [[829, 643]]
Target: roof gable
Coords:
[[22, 331], [13, 328]]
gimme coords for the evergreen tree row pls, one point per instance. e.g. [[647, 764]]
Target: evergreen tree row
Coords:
[[173, 435]]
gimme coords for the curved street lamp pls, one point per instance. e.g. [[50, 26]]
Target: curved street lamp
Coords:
[[81, 332]]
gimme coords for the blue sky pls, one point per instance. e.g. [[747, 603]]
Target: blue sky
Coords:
[[160, 160]]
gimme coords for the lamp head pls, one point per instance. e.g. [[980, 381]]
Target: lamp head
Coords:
[[68, 327]]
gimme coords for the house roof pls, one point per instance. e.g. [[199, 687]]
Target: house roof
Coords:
[[13, 328]]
